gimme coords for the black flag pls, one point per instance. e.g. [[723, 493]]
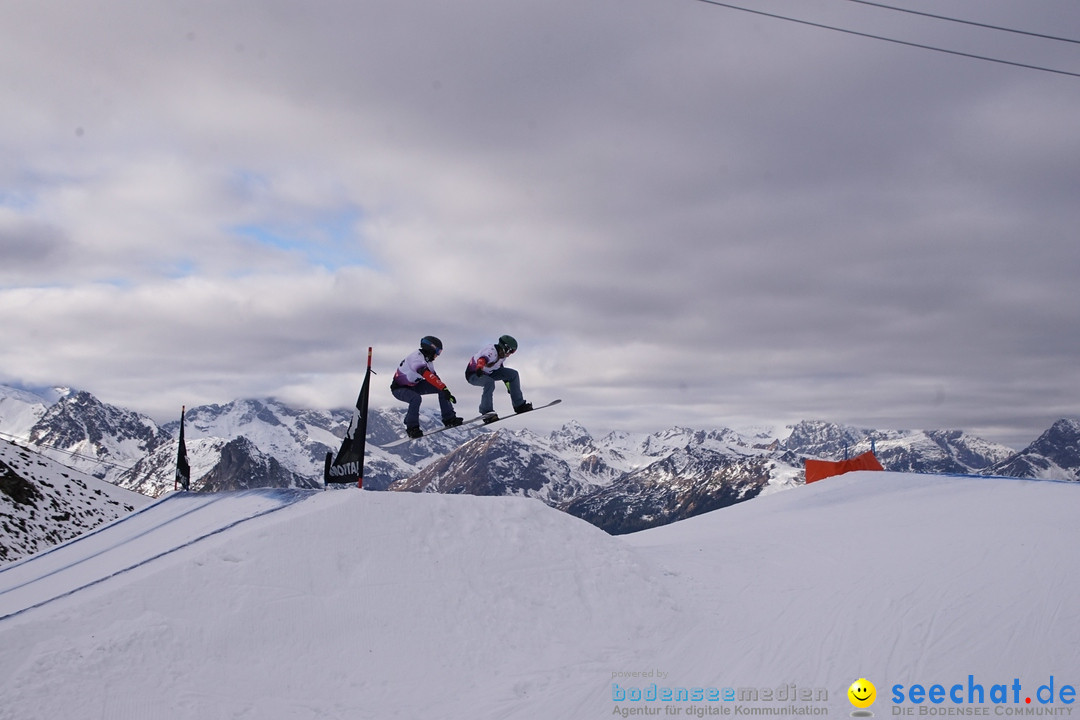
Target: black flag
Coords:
[[183, 468], [348, 466]]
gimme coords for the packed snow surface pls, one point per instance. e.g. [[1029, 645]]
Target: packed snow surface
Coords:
[[349, 604]]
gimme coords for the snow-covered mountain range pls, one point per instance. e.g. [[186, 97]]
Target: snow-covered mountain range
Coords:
[[620, 481]]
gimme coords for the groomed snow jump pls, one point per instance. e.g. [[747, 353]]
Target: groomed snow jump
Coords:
[[176, 521]]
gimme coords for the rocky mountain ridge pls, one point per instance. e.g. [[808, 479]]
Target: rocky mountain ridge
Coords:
[[620, 481]]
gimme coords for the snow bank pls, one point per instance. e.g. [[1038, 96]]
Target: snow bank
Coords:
[[382, 605], [348, 604], [900, 577]]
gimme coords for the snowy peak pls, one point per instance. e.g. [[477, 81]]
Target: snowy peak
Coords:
[[258, 438], [96, 438], [1060, 443], [217, 465], [235, 416], [670, 439], [572, 435], [1054, 455], [298, 439], [664, 443], [621, 483], [242, 466], [816, 438], [496, 463], [685, 483], [20, 410], [933, 451]]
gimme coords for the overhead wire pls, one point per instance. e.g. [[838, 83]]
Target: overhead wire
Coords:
[[15, 439], [891, 40], [966, 22]]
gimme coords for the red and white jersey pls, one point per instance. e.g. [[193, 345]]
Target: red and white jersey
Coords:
[[415, 368], [491, 361]]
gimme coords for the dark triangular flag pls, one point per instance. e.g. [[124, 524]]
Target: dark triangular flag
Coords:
[[348, 466], [183, 468]]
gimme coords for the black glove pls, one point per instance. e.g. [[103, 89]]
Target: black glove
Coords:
[[445, 392]]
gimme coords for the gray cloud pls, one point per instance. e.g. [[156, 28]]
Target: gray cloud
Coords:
[[28, 248]]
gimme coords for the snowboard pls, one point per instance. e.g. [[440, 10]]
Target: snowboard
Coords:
[[436, 431], [470, 421], [507, 417]]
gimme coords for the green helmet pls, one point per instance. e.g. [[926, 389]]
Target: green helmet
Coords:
[[507, 345]]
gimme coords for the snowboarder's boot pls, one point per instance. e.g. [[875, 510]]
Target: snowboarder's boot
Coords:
[[490, 417], [452, 422], [523, 407], [414, 431]]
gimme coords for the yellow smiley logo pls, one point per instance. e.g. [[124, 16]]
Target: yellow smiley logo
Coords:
[[862, 693]]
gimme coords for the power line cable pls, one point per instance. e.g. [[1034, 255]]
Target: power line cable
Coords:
[[966, 22], [54, 448], [892, 40]]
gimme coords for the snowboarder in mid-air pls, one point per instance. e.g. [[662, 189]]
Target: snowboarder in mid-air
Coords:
[[486, 367], [415, 377]]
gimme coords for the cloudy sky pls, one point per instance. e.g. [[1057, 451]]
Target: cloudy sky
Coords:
[[687, 214]]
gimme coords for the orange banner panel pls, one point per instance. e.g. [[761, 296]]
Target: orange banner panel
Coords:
[[821, 469]]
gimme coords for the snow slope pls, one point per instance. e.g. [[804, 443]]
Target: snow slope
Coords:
[[134, 540], [43, 503], [349, 604], [882, 575]]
